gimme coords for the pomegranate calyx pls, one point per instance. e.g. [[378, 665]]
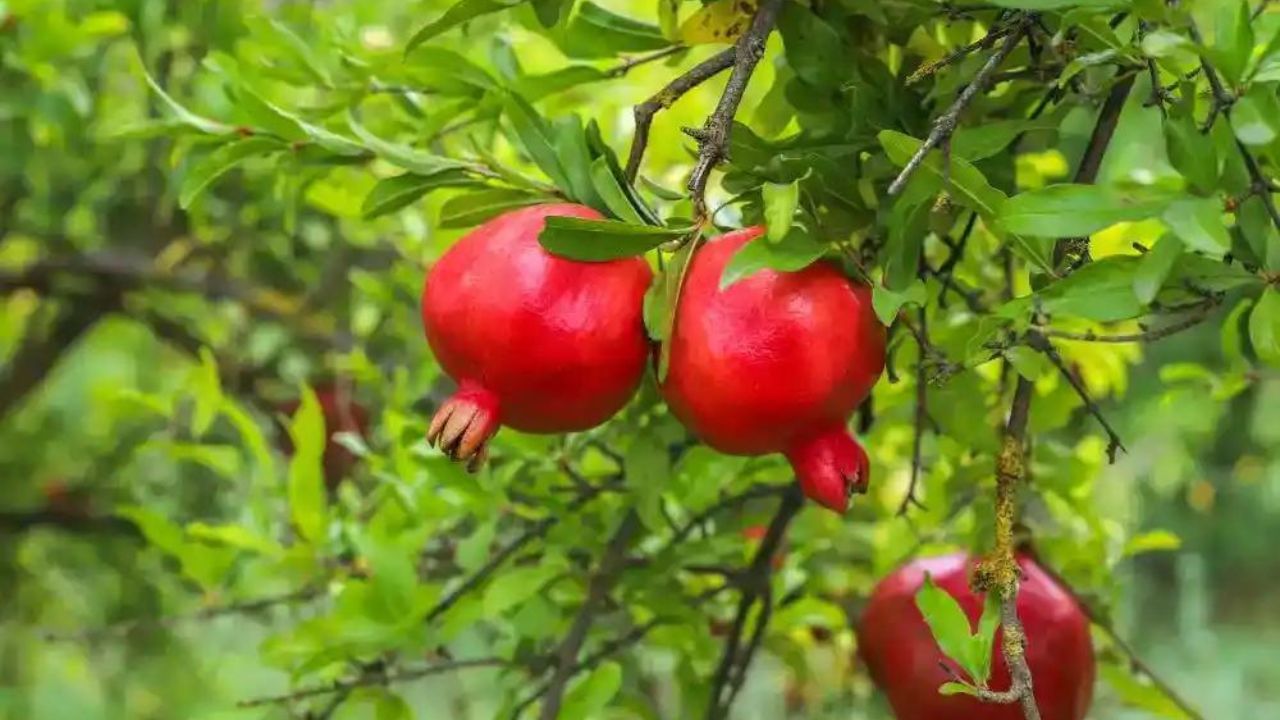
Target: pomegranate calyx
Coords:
[[831, 467], [461, 428]]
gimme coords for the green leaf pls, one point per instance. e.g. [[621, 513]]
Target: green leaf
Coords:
[[235, 536], [549, 12], [585, 700], [456, 15], [219, 162], [1152, 541], [536, 139], [1030, 364], [796, 251], [1232, 41], [982, 644], [268, 117], [1264, 327], [956, 688], [780, 202], [1079, 210], [575, 160], [1101, 290], [979, 143], [156, 528], [474, 208], [393, 193], [672, 283], [594, 31], [602, 240], [308, 501], [1191, 152], [887, 303], [970, 187], [1198, 222], [1252, 118], [611, 193], [515, 586], [947, 622], [814, 49], [284, 38], [648, 470], [188, 118], [206, 388], [1154, 268], [402, 156], [1139, 694]]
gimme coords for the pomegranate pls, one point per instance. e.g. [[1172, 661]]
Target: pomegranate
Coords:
[[339, 416], [903, 658], [538, 342], [776, 363]]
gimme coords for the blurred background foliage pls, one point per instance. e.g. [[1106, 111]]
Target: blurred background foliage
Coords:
[[155, 556]]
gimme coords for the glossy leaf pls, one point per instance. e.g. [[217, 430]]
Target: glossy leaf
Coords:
[[602, 240], [794, 252]]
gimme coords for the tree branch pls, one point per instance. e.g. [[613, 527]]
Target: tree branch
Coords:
[[665, 98], [16, 522], [611, 564], [713, 137], [1039, 343], [38, 356], [921, 415], [365, 680], [1195, 317], [754, 584], [945, 125]]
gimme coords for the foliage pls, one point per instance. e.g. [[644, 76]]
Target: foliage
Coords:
[[208, 207]]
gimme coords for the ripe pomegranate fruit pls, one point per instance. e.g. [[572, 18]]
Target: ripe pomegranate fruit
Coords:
[[776, 363], [350, 417], [903, 658], [538, 342]]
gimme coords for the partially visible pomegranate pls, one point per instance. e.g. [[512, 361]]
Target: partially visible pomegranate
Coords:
[[341, 414], [776, 363], [903, 657], [538, 342]]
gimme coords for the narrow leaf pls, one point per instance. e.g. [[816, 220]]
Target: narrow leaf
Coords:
[[308, 503], [780, 201], [456, 15], [1155, 268], [394, 193], [1264, 327], [795, 252], [947, 622], [1079, 210], [219, 162], [602, 240], [536, 139]]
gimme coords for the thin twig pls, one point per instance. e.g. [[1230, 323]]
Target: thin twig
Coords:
[[611, 564], [946, 124], [630, 63], [959, 54], [1040, 343], [921, 416], [365, 680], [665, 98], [535, 531], [1197, 316], [754, 582], [713, 136]]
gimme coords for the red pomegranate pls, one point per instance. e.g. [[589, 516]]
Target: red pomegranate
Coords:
[[537, 342], [341, 414], [776, 363], [903, 658]]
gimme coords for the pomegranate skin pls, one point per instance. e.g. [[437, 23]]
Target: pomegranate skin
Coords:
[[776, 363], [537, 342], [903, 658]]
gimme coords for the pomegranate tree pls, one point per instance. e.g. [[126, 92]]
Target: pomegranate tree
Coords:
[[538, 342], [905, 662], [776, 362]]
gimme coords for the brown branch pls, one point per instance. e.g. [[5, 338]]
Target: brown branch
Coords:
[[1197, 316], [1039, 343], [88, 523], [1222, 105], [364, 680], [713, 136], [535, 531], [945, 125], [754, 583], [927, 69], [630, 63], [247, 607], [921, 415], [665, 98], [611, 564]]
